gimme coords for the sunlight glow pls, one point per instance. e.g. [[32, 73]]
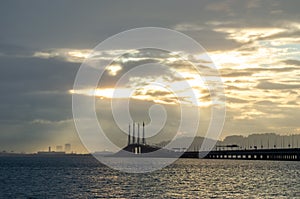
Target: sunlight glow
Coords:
[[244, 35], [113, 69]]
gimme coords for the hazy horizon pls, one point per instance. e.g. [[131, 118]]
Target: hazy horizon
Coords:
[[267, 140]]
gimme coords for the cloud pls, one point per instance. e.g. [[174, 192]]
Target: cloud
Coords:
[[266, 103], [280, 32], [220, 23], [235, 100], [113, 69], [235, 73], [69, 55], [219, 6], [292, 62], [42, 121], [187, 27], [246, 35], [277, 86]]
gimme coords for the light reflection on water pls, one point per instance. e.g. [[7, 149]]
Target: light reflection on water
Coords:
[[84, 177]]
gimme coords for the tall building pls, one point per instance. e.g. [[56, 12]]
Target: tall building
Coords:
[[59, 148], [67, 148]]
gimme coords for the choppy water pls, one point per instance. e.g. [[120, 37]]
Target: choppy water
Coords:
[[84, 177]]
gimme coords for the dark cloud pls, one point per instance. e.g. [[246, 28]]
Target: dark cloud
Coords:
[[272, 69], [236, 100], [291, 32], [232, 73], [265, 103], [77, 24], [15, 50], [276, 86], [231, 87], [35, 103], [292, 62], [35, 88], [248, 72], [34, 74]]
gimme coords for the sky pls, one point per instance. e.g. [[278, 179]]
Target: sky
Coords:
[[254, 44]]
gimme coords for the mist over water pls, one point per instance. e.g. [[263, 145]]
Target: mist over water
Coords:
[[85, 177]]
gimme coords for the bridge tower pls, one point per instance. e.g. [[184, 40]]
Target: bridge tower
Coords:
[[133, 133], [144, 141], [138, 137], [128, 134]]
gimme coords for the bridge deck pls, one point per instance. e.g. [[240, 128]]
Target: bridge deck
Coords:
[[258, 154]]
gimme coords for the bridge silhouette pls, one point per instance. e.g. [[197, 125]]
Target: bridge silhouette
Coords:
[[137, 146]]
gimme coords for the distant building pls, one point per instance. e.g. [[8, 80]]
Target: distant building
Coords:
[[59, 148], [67, 148], [50, 152]]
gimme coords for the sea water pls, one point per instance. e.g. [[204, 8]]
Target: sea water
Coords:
[[85, 177]]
